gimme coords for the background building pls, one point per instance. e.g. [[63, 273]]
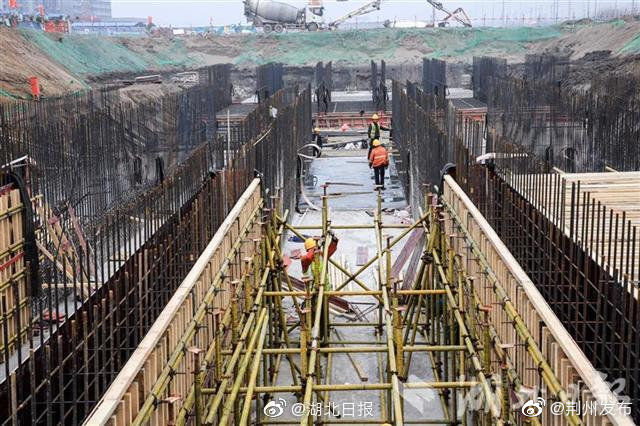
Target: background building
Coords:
[[84, 10]]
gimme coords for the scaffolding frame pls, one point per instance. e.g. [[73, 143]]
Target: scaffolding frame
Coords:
[[230, 378], [224, 383], [315, 337]]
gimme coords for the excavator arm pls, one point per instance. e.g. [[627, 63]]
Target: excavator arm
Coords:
[[459, 14], [367, 8]]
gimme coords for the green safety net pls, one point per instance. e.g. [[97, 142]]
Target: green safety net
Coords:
[[358, 46], [633, 46], [94, 54]]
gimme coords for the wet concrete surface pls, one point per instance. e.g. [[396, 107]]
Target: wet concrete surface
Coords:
[[351, 168]]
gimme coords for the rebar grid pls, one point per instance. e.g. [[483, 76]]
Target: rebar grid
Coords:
[[379, 89], [99, 216], [269, 80], [323, 80], [485, 69], [550, 68], [574, 130], [550, 226], [434, 78], [111, 264]]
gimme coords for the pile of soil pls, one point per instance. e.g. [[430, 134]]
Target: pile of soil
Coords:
[[21, 60], [73, 62]]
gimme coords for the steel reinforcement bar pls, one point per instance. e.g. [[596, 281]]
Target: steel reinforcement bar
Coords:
[[530, 208], [528, 337], [146, 386], [108, 271]]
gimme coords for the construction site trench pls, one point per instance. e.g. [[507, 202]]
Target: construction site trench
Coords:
[[151, 253]]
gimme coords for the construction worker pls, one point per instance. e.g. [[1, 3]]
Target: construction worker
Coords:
[[317, 137], [312, 262], [313, 258], [379, 161], [373, 132]]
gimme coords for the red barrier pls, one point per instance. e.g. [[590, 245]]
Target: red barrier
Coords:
[[35, 87], [56, 27]]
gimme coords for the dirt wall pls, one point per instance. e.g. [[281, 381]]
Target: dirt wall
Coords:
[[73, 62]]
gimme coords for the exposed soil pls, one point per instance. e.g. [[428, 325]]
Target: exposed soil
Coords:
[[20, 60], [612, 47], [613, 36]]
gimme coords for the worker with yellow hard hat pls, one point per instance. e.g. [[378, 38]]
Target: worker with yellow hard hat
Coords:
[[373, 132], [312, 262], [317, 137], [310, 243], [313, 258]]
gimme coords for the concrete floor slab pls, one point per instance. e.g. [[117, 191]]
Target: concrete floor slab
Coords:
[[351, 168]]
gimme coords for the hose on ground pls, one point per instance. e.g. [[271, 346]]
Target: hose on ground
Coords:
[[317, 151]]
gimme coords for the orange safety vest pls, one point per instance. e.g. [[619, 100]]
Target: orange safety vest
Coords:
[[313, 258], [379, 157]]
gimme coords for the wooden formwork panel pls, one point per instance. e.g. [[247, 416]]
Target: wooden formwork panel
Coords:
[[15, 312], [573, 370], [125, 397], [335, 120], [617, 192]]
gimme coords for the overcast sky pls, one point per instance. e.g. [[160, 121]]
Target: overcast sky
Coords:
[[487, 12]]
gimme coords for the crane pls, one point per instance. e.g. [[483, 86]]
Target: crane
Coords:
[[459, 14]]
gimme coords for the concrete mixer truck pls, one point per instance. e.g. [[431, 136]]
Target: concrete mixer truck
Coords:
[[277, 16]]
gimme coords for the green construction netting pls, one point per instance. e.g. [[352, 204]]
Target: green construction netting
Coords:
[[360, 46], [633, 46], [91, 54]]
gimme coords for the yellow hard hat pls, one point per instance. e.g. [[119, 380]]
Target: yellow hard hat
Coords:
[[309, 243], [376, 142], [375, 117], [317, 129]]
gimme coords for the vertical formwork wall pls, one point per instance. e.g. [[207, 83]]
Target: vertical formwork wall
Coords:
[[535, 212]]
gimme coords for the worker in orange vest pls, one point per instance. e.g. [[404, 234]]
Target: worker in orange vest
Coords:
[[313, 258], [379, 161], [312, 262]]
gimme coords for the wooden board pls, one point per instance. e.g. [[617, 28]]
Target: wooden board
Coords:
[[134, 383], [15, 311], [598, 210], [569, 364]]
